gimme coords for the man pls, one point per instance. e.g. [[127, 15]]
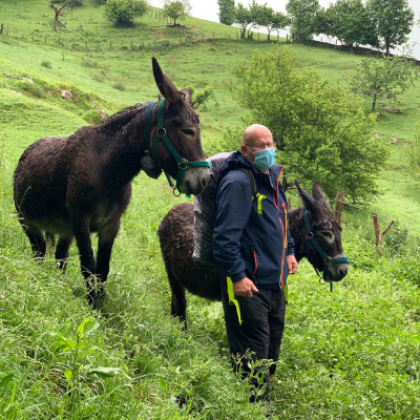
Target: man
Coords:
[[253, 248]]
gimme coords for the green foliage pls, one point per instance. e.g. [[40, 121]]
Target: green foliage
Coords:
[[249, 18], [273, 21], [176, 10], [46, 64], [303, 18], [387, 76], [393, 20], [124, 11], [226, 11], [93, 116], [350, 22], [316, 133], [396, 240], [202, 98], [413, 153]]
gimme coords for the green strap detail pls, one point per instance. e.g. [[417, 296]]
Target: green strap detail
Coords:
[[233, 300], [286, 292], [183, 164], [260, 198]]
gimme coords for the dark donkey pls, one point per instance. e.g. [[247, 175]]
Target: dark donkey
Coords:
[[73, 186], [177, 245]]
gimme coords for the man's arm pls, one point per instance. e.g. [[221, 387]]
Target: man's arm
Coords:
[[234, 203]]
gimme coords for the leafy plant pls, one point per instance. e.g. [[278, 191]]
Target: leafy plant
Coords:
[[317, 133], [124, 11]]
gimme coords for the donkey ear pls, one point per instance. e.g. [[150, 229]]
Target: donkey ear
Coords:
[[186, 95], [166, 87], [317, 192], [307, 199]]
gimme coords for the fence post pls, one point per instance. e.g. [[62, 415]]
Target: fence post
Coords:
[[33, 36], [59, 41], [122, 44], [338, 206], [131, 46], [17, 34], [45, 39], [379, 235], [1, 29], [7, 31], [73, 44], [110, 45]]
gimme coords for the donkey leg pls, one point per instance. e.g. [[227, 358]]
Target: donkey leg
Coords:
[[179, 301], [37, 240], [87, 260], [62, 252], [105, 243]]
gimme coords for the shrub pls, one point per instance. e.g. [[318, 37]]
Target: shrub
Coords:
[[46, 64], [119, 86], [124, 11]]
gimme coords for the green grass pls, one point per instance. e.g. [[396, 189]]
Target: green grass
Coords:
[[351, 354]]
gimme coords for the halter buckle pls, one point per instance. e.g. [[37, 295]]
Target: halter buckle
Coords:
[[161, 132], [183, 164], [310, 235]]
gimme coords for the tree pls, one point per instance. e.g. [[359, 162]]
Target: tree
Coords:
[[317, 133], [393, 20], [303, 17], [124, 11], [351, 23], [249, 18], [242, 18], [177, 10], [272, 20], [62, 5], [387, 76], [227, 11]]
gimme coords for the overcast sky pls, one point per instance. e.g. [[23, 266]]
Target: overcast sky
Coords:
[[209, 9]]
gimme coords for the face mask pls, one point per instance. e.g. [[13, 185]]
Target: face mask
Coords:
[[264, 159]]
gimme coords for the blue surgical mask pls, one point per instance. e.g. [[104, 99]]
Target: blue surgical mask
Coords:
[[264, 159]]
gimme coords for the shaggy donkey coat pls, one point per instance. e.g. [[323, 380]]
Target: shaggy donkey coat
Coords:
[[73, 186], [177, 245]]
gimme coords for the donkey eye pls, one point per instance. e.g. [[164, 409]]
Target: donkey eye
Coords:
[[188, 132]]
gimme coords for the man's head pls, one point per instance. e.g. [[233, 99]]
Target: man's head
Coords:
[[254, 139]]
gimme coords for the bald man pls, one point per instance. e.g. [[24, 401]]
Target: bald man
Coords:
[[254, 249]]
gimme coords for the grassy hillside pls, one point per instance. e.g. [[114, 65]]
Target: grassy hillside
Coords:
[[351, 354]]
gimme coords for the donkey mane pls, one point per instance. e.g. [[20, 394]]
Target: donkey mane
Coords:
[[121, 118]]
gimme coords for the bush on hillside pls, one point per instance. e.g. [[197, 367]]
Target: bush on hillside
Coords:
[[318, 134], [124, 11]]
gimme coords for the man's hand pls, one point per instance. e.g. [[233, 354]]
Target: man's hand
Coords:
[[292, 264], [244, 287]]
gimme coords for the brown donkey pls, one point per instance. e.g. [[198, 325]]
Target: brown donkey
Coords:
[[73, 186], [177, 245]]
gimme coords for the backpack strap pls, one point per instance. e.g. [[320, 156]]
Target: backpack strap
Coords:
[[251, 179]]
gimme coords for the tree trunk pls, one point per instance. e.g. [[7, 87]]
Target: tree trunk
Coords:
[[57, 11], [268, 36], [374, 102]]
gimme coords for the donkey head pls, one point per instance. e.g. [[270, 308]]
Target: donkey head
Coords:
[[182, 128], [326, 231]]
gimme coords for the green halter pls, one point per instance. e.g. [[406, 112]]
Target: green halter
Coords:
[[183, 164]]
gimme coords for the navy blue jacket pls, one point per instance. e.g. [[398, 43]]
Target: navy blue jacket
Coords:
[[246, 243]]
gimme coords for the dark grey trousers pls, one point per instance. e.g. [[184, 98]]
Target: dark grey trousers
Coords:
[[259, 336]]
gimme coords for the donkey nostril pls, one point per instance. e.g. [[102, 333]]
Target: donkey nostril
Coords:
[[343, 271]]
